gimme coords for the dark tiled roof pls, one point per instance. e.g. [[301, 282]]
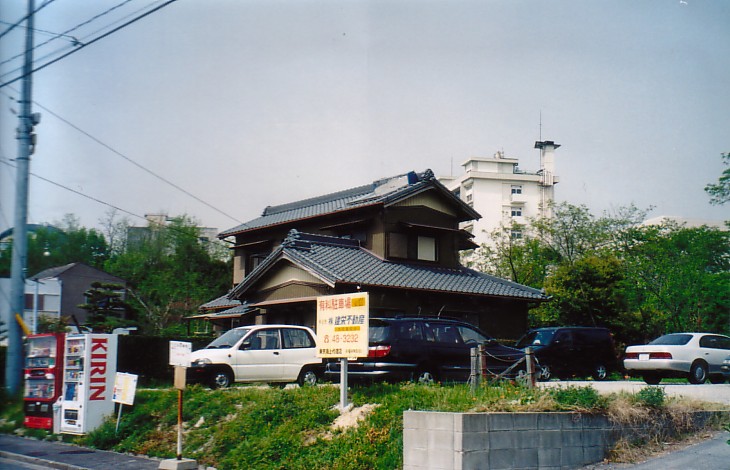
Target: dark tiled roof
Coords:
[[220, 303], [340, 261], [382, 191], [53, 272]]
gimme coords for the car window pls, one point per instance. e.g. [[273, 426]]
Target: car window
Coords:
[[264, 339], [536, 338], [563, 336], [410, 330], [229, 338], [448, 334], [378, 332], [714, 342], [296, 338], [675, 339], [471, 335]]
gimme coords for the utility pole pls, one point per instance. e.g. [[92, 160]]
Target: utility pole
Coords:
[[26, 142]]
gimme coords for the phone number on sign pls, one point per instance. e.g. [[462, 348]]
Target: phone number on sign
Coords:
[[345, 338]]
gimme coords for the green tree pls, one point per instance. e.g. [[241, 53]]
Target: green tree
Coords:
[[106, 307], [586, 292], [680, 276], [171, 273], [523, 259], [720, 192], [59, 244]]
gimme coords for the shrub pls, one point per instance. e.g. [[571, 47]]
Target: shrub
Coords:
[[578, 398], [653, 397]]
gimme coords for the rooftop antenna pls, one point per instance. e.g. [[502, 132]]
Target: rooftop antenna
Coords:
[[541, 125]]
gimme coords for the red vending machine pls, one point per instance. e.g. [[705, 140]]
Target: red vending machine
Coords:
[[43, 376]]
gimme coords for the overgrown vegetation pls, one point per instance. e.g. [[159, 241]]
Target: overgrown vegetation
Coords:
[[269, 428]]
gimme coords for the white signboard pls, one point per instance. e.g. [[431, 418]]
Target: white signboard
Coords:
[[180, 352], [342, 325], [125, 387]]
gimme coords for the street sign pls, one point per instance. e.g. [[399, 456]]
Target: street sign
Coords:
[[180, 352], [342, 325], [125, 387]]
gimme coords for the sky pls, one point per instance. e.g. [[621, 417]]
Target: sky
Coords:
[[236, 105]]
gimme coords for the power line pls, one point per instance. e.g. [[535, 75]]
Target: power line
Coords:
[[3, 161], [82, 46], [75, 42], [138, 165], [16, 24]]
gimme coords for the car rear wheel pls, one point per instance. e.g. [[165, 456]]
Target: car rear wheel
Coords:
[[425, 377], [307, 377], [221, 379], [698, 373], [544, 374], [652, 379], [600, 372]]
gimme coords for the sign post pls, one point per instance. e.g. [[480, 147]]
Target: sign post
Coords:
[[342, 331], [180, 358], [125, 387]]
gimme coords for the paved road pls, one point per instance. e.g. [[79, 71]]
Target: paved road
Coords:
[[711, 454], [714, 393]]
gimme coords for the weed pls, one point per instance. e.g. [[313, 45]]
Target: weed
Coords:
[[578, 398], [653, 397]]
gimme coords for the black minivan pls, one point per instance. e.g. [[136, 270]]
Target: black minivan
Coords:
[[569, 351], [427, 349]]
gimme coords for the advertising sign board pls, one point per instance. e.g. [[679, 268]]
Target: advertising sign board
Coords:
[[342, 325]]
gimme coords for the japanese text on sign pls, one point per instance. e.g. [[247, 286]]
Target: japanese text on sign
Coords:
[[342, 325]]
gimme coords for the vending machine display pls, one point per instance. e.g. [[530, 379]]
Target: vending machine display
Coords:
[[90, 365], [43, 373]]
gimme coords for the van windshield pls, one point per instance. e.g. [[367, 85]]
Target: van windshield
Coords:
[[536, 338], [228, 339]]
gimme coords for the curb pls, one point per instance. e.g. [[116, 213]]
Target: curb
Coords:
[[39, 461]]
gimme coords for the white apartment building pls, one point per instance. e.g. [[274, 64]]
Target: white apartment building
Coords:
[[503, 193]]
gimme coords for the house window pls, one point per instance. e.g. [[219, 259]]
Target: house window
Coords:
[[516, 189], [516, 234], [411, 246], [427, 248], [469, 197], [398, 245], [516, 211], [255, 260], [29, 301]]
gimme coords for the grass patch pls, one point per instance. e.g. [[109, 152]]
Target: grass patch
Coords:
[[270, 428]]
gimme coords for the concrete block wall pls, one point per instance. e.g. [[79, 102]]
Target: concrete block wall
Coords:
[[461, 441]]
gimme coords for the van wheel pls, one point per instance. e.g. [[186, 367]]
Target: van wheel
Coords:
[[698, 373], [425, 377], [221, 379], [307, 377], [600, 372], [544, 374]]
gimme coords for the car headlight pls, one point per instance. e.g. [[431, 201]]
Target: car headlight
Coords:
[[201, 361]]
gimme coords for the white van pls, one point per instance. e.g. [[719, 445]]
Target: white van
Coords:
[[277, 354]]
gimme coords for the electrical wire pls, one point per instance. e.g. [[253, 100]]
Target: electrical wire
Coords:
[[5, 162], [130, 160], [138, 165], [84, 45], [75, 41], [16, 24]]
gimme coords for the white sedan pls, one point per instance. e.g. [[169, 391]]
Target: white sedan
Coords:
[[695, 356]]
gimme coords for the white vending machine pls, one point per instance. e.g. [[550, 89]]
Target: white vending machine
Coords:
[[90, 366]]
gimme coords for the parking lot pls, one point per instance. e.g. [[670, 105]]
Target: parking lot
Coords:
[[716, 393]]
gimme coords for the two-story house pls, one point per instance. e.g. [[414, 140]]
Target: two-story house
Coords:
[[397, 239]]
